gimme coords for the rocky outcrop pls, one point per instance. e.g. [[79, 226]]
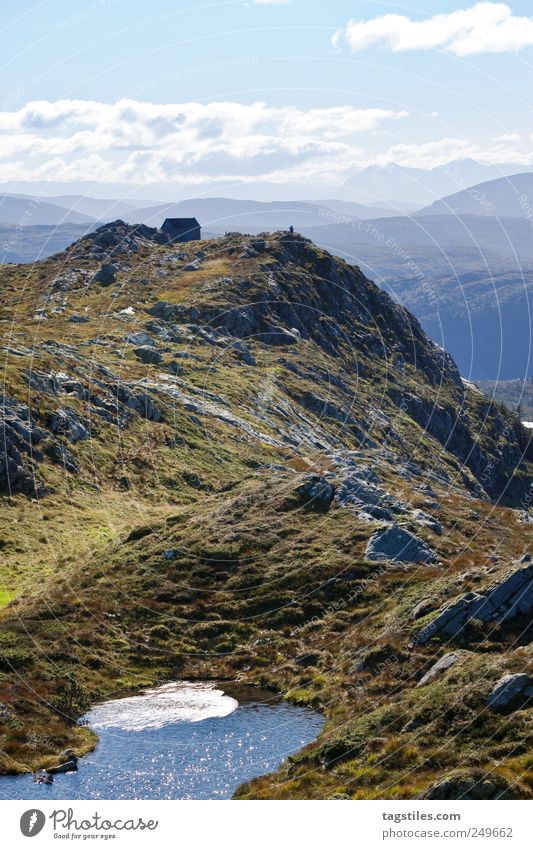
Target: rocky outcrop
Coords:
[[116, 238], [148, 355], [355, 489], [140, 338], [19, 440], [315, 493], [106, 274], [67, 423], [511, 691], [442, 665], [427, 521], [501, 603], [140, 401], [400, 546]]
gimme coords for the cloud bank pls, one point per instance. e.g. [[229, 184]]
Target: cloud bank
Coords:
[[135, 141], [194, 143], [483, 28]]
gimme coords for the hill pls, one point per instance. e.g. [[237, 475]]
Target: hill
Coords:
[[376, 183], [239, 458], [22, 212], [507, 197], [226, 214], [466, 280]]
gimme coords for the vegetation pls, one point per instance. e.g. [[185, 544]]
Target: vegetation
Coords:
[[187, 540]]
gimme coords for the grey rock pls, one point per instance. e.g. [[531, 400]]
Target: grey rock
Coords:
[[148, 355], [501, 603], [163, 310], [139, 401], [140, 338], [316, 493], [20, 437], [107, 274], [400, 546], [59, 453], [511, 691], [422, 608], [427, 521], [478, 784], [377, 514], [354, 490], [444, 663], [66, 422], [243, 352], [79, 319]]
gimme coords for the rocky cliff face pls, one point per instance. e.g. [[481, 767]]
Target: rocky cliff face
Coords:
[[272, 448]]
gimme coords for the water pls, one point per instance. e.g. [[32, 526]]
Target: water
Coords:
[[179, 741]]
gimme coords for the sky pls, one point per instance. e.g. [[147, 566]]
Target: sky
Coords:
[[193, 97]]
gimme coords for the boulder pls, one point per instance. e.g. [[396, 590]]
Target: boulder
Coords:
[[511, 691], [140, 338], [442, 664], [107, 274], [139, 401], [243, 353], [67, 423], [355, 489], [400, 546], [148, 355], [427, 521], [163, 310], [315, 493]]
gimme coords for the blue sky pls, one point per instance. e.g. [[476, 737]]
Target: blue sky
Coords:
[[297, 106]]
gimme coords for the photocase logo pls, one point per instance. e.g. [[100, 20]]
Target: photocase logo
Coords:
[[32, 822]]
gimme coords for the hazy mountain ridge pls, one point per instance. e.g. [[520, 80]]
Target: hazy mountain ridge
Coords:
[[507, 197]]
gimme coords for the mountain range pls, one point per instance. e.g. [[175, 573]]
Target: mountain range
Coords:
[[507, 197]]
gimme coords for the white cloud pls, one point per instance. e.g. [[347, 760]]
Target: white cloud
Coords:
[[270, 2], [196, 143], [483, 28], [443, 151], [148, 142]]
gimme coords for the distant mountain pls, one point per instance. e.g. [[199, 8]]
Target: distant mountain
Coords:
[[403, 235], [101, 209], [24, 211], [226, 214], [507, 197], [360, 210], [377, 183]]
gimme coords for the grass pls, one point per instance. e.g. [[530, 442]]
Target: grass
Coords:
[[258, 587]]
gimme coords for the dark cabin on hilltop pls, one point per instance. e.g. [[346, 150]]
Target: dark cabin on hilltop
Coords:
[[182, 229]]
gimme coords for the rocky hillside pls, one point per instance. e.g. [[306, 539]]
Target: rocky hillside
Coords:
[[240, 459]]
